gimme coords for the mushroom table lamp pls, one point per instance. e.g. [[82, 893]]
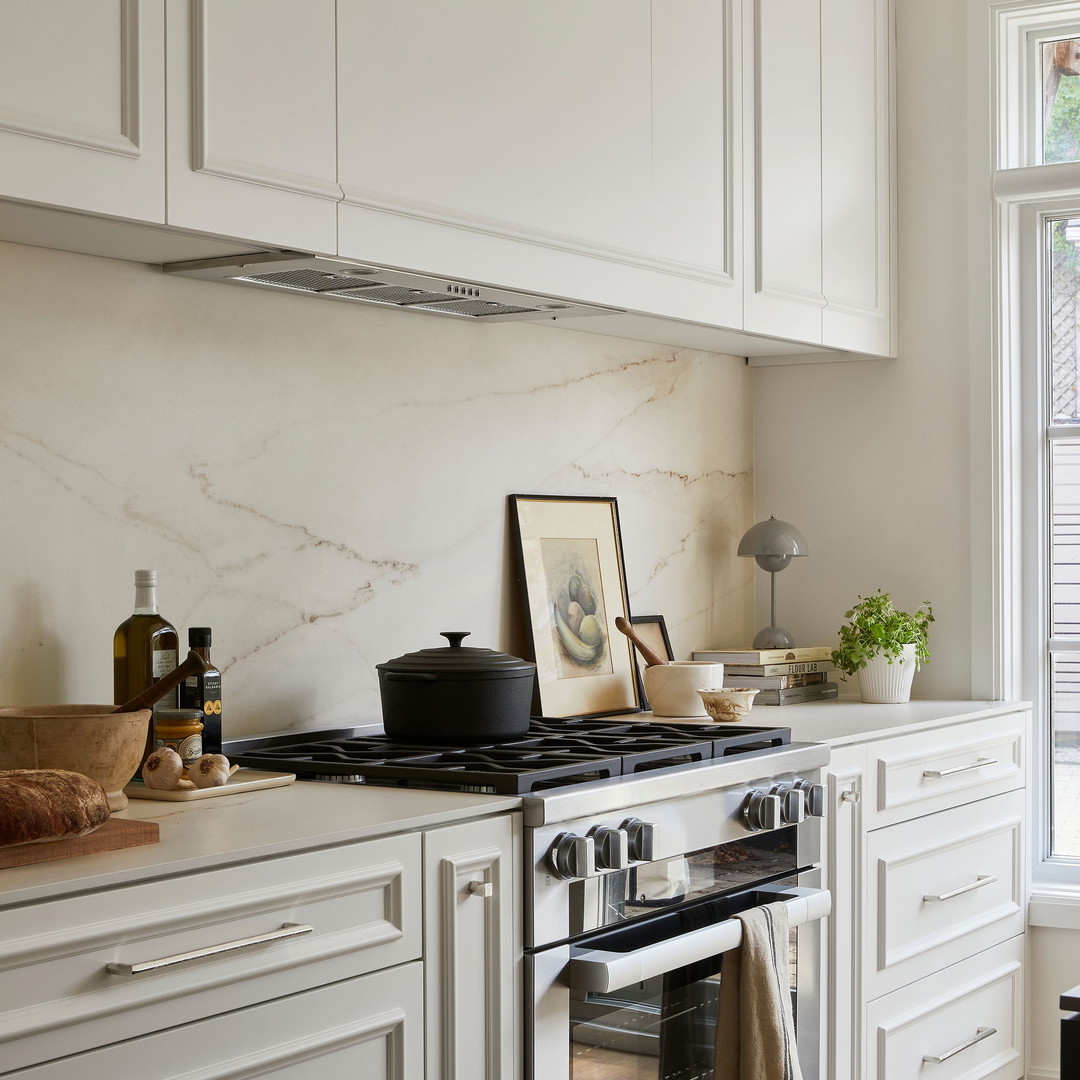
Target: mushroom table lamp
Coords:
[[773, 544]]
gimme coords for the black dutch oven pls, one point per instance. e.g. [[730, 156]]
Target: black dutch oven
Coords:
[[456, 696]]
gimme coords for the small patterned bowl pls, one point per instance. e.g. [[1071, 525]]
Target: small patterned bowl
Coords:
[[728, 705]]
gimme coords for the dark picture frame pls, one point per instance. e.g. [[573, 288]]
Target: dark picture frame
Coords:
[[652, 629], [573, 582]]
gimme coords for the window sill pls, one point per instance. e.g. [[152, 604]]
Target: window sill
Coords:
[[1055, 906]]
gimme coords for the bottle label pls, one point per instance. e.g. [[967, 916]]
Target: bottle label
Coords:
[[203, 692], [163, 661], [189, 748]]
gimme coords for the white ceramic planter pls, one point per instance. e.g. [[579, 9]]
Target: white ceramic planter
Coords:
[[882, 683]]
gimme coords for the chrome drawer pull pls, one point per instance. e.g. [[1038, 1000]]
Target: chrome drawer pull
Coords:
[[984, 879], [289, 930], [980, 1034], [937, 774], [481, 888]]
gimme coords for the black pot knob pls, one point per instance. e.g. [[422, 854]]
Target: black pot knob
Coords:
[[455, 637]]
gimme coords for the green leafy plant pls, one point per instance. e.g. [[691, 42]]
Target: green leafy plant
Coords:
[[875, 628]]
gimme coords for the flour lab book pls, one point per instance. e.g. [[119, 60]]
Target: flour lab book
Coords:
[[762, 656]]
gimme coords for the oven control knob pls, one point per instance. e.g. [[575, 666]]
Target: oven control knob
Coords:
[[761, 810], [572, 856], [814, 795], [612, 847], [792, 803], [642, 836]]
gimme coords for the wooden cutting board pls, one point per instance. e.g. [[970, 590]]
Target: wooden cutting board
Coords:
[[114, 834]]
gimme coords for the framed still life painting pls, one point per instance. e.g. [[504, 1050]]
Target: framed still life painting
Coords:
[[573, 582]]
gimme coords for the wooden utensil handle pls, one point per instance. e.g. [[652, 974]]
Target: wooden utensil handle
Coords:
[[649, 655], [193, 665]]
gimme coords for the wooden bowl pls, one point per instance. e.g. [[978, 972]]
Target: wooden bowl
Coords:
[[88, 739]]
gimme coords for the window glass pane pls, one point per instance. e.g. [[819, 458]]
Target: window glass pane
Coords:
[[1065, 719], [1061, 101], [1063, 329], [1065, 572]]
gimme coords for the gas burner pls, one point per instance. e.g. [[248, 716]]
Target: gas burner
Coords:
[[554, 753]]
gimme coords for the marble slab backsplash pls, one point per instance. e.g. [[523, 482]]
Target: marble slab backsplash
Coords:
[[325, 486]]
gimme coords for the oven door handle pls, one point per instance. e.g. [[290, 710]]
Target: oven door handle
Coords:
[[595, 969]]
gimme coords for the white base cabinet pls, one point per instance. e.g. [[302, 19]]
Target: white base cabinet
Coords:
[[393, 957], [924, 852]]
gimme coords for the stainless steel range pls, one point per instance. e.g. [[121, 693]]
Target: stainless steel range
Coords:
[[641, 841]]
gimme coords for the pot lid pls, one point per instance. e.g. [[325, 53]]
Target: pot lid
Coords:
[[458, 661]]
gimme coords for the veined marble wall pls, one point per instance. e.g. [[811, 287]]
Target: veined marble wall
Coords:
[[325, 486]]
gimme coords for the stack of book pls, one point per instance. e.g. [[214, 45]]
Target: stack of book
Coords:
[[781, 676]]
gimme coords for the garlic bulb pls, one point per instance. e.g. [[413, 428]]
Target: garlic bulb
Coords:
[[162, 769], [211, 770]]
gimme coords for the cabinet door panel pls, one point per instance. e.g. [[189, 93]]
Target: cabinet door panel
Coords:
[[473, 941], [82, 107], [370, 1027], [252, 137], [522, 120], [785, 299], [856, 163]]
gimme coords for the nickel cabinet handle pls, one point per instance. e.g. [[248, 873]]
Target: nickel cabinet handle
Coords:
[[484, 889], [983, 879], [937, 774], [289, 930], [980, 1034]]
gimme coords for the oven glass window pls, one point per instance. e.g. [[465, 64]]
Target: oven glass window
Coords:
[[663, 1029]]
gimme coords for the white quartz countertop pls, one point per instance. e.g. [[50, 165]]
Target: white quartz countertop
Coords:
[[842, 721], [247, 825]]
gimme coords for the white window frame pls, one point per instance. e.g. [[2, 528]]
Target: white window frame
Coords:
[[1016, 558]]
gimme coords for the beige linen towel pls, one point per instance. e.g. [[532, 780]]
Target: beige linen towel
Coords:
[[755, 1030]]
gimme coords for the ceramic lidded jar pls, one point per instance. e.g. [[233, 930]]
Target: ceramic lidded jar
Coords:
[[456, 696]]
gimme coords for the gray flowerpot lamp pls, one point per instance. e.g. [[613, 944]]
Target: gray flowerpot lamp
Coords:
[[773, 544]]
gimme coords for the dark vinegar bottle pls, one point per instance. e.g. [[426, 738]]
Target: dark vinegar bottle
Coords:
[[145, 648], [203, 691]]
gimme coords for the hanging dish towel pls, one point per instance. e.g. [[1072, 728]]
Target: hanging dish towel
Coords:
[[755, 1030]]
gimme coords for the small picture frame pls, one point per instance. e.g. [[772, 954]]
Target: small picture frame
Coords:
[[570, 566], [652, 629]]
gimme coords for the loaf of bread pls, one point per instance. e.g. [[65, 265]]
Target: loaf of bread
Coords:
[[49, 804]]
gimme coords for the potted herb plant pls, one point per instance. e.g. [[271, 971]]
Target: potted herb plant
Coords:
[[883, 646]]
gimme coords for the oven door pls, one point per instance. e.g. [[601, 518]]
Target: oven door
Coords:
[[640, 1002]]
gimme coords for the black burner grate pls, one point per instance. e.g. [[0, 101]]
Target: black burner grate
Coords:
[[553, 753]]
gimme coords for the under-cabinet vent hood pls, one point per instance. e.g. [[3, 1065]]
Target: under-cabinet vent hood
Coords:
[[341, 279]]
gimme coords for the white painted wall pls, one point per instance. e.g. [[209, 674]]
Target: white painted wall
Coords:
[[870, 459], [326, 485]]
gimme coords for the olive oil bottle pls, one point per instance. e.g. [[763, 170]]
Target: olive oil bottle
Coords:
[[203, 692], [145, 648]]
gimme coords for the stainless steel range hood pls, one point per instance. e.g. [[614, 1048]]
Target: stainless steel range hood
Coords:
[[357, 283]]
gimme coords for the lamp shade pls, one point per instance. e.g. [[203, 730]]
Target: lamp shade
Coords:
[[773, 544]]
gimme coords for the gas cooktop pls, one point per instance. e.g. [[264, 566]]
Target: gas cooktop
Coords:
[[554, 753]]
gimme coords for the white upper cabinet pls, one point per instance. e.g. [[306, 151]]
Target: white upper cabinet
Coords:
[[783, 164], [251, 118], [82, 105], [856, 164], [818, 163], [569, 149]]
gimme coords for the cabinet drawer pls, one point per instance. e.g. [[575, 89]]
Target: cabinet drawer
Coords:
[[370, 1027], [57, 992], [935, 770], [965, 1023], [941, 889]]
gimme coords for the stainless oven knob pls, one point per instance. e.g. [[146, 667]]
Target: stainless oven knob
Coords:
[[815, 797], [642, 836], [612, 847], [792, 803], [572, 856], [761, 810]]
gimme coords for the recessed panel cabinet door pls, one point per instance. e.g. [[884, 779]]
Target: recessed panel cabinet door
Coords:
[[556, 147], [252, 134], [785, 298], [856, 141], [82, 105]]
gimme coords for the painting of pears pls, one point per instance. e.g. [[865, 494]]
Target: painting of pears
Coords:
[[573, 575]]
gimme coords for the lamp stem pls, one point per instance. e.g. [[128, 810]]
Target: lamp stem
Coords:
[[772, 599]]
